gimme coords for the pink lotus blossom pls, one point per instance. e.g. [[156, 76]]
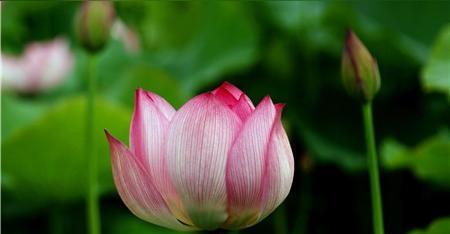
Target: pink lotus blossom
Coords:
[[43, 66], [217, 162]]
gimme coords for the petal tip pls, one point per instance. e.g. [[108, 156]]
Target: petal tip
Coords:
[[141, 96], [111, 139], [267, 100], [227, 87], [279, 107]]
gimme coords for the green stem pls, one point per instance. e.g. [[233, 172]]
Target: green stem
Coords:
[[301, 223], [56, 221], [377, 210], [280, 224], [93, 212]]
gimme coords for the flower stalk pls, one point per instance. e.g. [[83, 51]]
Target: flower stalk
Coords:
[[377, 210], [92, 27], [93, 212], [361, 79]]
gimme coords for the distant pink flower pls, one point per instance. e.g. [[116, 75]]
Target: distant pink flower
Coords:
[[126, 35], [217, 162], [43, 66]]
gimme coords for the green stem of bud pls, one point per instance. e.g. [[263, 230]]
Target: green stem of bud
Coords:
[[93, 212], [280, 225], [377, 210]]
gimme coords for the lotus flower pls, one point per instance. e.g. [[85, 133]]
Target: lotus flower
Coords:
[[43, 66], [217, 162]]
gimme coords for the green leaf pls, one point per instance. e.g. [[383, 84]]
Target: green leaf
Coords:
[[327, 149], [438, 226], [200, 45], [149, 78], [436, 74], [303, 20], [127, 223], [333, 132], [17, 113], [45, 161], [429, 161], [295, 15]]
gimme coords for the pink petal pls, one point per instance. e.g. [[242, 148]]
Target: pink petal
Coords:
[[147, 140], [162, 105], [246, 165], [200, 136], [136, 189], [13, 75], [243, 108], [279, 172], [234, 98], [229, 88], [148, 125], [225, 96]]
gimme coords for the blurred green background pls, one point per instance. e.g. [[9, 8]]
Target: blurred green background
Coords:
[[289, 50]]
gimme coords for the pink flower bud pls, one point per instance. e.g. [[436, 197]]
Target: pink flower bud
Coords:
[[93, 24], [43, 66], [360, 74], [217, 162]]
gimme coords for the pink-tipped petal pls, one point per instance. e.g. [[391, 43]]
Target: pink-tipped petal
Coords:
[[224, 96], [234, 98], [279, 172], [148, 128], [163, 106], [246, 165], [200, 136], [243, 108], [229, 88], [136, 189], [147, 140]]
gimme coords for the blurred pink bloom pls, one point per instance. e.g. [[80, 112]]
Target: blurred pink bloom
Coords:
[[43, 66], [217, 162], [126, 35]]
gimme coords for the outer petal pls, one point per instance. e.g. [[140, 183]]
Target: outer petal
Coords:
[[279, 171], [200, 136], [147, 141], [136, 189], [148, 126], [246, 165]]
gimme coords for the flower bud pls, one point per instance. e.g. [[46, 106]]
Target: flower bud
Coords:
[[360, 73], [93, 24]]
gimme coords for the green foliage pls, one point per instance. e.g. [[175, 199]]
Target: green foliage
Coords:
[[436, 74], [146, 77], [204, 41], [127, 223], [326, 148], [430, 160], [438, 226], [45, 161], [17, 113]]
